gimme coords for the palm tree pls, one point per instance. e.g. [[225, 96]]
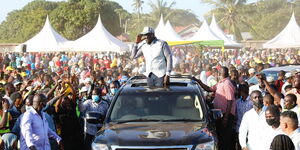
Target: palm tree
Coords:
[[137, 4], [232, 14], [161, 8]]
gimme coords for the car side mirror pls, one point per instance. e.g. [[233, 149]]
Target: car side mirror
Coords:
[[217, 114], [94, 117]]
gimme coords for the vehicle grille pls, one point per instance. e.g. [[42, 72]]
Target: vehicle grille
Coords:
[[180, 147], [153, 149]]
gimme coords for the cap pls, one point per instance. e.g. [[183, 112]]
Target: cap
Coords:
[[84, 89], [17, 82], [87, 80], [251, 70], [29, 88], [288, 75], [147, 30], [270, 79], [240, 67], [23, 74], [9, 68], [294, 72]]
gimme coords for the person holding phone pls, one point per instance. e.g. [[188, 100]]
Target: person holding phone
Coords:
[[158, 57], [261, 77]]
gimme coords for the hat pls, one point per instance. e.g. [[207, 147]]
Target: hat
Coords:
[[294, 72], [147, 30], [23, 74], [17, 83], [270, 78], [9, 68], [29, 88], [87, 80], [240, 67], [83, 89], [251, 70], [288, 75]]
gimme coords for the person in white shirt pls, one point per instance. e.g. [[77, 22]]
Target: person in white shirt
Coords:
[[253, 124], [290, 104], [272, 115], [260, 86], [158, 57], [203, 76], [212, 79], [288, 81], [289, 125], [9, 89]]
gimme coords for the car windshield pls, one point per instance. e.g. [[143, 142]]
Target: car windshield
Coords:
[[157, 106], [274, 74]]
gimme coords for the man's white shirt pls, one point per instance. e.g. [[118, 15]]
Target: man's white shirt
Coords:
[[157, 56], [270, 133], [252, 127], [295, 137]]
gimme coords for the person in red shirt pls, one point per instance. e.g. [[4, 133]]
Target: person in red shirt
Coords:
[[224, 100], [279, 82], [107, 62]]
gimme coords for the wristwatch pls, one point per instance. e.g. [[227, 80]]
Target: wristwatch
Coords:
[[5, 110]]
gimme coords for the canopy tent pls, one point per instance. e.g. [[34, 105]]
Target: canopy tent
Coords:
[[46, 40], [204, 34], [228, 43], [289, 37], [169, 34], [210, 43], [99, 40], [160, 28]]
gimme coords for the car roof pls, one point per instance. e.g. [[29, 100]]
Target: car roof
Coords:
[[287, 68], [177, 84]]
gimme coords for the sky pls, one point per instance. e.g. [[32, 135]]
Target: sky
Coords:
[[198, 8]]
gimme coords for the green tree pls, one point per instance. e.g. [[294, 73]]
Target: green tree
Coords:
[[271, 17], [231, 15], [137, 4], [181, 17], [20, 25], [159, 8], [72, 19]]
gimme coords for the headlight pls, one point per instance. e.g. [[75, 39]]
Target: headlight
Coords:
[[206, 146], [97, 146]]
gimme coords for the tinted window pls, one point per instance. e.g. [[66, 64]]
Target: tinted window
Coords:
[[268, 73], [158, 106]]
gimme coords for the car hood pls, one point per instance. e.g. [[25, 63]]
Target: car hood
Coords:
[[154, 134]]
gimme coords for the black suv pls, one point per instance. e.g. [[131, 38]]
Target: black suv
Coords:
[[172, 118]]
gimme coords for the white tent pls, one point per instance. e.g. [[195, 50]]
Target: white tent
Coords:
[[169, 34], [46, 40], [99, 40], [160, 28], [217, 30], [289, 37], [204, 33]]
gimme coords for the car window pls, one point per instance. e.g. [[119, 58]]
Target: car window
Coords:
[[158, 106], [268, 73]]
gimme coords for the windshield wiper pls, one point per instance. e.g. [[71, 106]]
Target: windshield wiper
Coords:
[[137, 120], [182, 119]]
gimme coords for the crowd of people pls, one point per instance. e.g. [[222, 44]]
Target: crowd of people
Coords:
[[44, 96]]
